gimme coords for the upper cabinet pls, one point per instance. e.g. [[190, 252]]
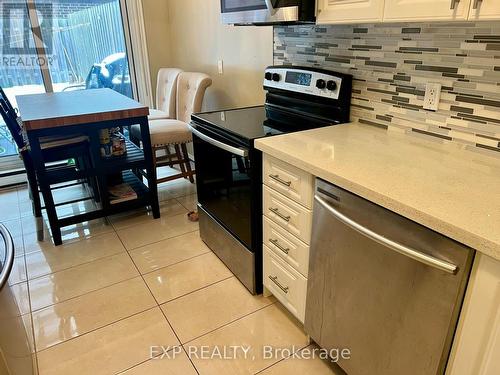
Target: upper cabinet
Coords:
[[426, 10], [484, 10], [363, 11], [350, 11]]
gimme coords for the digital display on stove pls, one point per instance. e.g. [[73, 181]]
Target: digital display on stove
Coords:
[[303, 79]]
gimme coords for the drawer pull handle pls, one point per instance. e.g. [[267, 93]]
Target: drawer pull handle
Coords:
[[278, 213], [277, 178], [274, 279], [454, 4], [277, 244], [476, 4]]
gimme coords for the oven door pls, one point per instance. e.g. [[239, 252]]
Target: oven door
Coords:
[[259, 11], [224, 172]]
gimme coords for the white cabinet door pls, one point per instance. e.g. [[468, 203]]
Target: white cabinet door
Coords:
[[484, 10], [476, 347], [349, 11], [426, 10]]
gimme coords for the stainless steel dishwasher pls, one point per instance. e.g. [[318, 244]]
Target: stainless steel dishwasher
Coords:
[[16, 354], [382, 286]]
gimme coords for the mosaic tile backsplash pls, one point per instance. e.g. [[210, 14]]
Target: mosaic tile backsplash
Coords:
[[391, 63]]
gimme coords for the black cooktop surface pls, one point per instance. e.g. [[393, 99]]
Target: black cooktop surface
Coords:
[[251, 123]]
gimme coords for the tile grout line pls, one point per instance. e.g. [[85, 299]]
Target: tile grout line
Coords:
[[161, 310], [97, 329], [84, 294], [154, 243], [29, 296], [228, 323]]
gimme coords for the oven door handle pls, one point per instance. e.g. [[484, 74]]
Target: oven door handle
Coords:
[[397, 247], [234, 150], [270, 7]]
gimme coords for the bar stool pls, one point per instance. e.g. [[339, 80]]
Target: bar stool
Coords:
[[167, 133], [166, 88]]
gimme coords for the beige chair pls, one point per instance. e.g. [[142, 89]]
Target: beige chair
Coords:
[[174, 133], [166, 88]]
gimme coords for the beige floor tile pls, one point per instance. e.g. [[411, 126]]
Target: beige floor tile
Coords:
[[207, 309], [167, 208], [20, 292], [178, 365], [18, 273], [167, 252], [86, 229], [69, 234], [185, 277], [175, 189], [28, 327], [9, 205], [304, 365], [91, 311], [75, 281], [111, 349], [52, 259], [189, 201], [271, 326], [156, 230], [13, 226], [32, 244]]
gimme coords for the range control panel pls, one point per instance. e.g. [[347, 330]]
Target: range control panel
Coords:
[[302, 80]]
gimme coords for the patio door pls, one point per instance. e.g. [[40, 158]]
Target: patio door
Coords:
[[61, 45]]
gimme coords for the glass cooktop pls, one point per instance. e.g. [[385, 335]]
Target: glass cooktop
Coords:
[[256, 122]]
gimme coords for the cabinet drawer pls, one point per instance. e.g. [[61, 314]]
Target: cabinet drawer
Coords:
[[286, 284], [292, 182], [290, 215], [288, 247]]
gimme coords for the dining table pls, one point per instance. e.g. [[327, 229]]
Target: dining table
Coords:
[[87, 112]]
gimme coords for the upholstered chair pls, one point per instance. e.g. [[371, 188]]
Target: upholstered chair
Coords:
[[169, 137], [166, 89]]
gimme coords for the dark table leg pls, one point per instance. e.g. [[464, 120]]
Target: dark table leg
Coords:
[[150, 168], [38, 162]]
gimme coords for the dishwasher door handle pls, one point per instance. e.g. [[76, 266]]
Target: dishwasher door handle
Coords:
[[404, 250]]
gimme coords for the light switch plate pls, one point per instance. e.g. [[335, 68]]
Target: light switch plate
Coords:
[[432, 96], [220, 66]]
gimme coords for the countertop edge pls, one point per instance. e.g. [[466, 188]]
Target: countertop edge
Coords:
[[458, 234]]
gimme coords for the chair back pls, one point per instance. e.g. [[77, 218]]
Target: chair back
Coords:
[[191, 89], [11, 120], [166, 90], [10, 108]]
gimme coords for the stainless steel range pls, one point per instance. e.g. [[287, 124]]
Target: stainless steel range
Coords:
[[229, 168]]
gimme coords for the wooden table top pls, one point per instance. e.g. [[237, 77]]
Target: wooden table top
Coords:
[[44, 111]]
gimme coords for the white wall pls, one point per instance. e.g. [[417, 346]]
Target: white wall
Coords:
[[197, 40]]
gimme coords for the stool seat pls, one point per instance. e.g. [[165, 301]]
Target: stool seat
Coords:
[[156, 114], [166, 132]]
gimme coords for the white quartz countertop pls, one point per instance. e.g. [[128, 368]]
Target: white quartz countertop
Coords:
[[453, 191]]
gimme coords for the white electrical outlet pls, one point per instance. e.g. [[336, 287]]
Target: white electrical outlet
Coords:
[[432, 96], [220, 66]]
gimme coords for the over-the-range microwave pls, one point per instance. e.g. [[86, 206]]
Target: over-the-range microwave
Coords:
[[267, 12]]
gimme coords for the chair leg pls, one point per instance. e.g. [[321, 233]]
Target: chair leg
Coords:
[[188, 163], [33, 186], [179, 159]]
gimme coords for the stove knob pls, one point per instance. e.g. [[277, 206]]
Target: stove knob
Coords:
[[269, 76], [276, 77], [331, 85], [320, 84]]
